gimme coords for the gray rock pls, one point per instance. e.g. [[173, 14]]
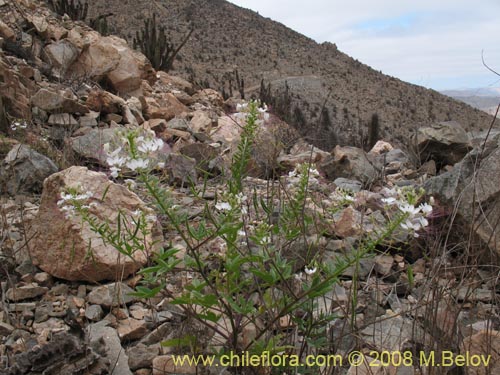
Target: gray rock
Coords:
[[23, 171], [349, 185], [181, 169], [61, 55], [350, 163], [25, 292], [63, 119], [100, 332], [60, 101], [444, 142], [472, 187], [111, 295], [94, 313], [90, 145], [141, 356]]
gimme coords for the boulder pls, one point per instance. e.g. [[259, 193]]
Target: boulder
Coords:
[[60, 55], [166, 106], [473, 188], [57, 102], [23, 171], [444, 142], [350, 163], [110, 58], [104, 102], [16, 88], [68, 248], [90, 145]]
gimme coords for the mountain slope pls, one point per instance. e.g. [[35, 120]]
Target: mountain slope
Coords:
[[229, 39]]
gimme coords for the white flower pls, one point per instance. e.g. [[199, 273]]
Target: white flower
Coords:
[[425, 208], [298, 276], [408, 208], [265, 240], [389, 201], [137, 213], [116, 161], [423, 222], [223, 206], [241, 233], [114, 171], [161, 165], [130, 184], [135, 164], [310, 271], [240, 107]]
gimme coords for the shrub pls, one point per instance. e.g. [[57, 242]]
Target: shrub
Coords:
[[261, 290]]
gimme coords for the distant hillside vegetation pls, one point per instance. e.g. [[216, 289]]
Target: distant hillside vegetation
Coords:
[[328, 96]]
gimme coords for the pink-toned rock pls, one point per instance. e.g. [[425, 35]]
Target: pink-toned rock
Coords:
[[66, 247], [381, 147], [228, 131], [131, 329], [111, 58], [164, 365], [348, 223], [166, 106]]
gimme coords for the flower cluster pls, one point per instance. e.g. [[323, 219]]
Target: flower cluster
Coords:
[[233, 203], [242, 111], [301, 170], [133, 152], [415, 216], [18, 124], [342, 196], [73, 200]]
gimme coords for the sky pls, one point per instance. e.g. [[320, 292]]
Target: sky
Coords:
[[433, 43]]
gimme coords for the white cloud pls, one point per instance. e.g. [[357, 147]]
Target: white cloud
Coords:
[[432, 43]]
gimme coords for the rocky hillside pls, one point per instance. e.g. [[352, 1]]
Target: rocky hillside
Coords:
[[228, 38], [142, 218]]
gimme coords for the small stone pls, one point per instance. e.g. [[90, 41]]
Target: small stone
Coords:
[[131, 329], [113, 117], [5, 329], [77, 301], [383, 264], [140, 356], [164, 364], [82, 291], [60, 290], [111, 295], [25, 292], [22, 306], [94, 313], [43, 278]]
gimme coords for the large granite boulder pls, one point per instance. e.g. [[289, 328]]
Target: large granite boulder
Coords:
[[66, 247]]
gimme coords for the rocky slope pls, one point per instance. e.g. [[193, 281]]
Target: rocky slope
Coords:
[[228, 38], [66, 305]]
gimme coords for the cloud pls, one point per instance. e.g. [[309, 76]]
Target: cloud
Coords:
[[432, 43]]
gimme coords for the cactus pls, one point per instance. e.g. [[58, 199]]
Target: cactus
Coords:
[[100, 23], [75, 9], [153, 43]]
